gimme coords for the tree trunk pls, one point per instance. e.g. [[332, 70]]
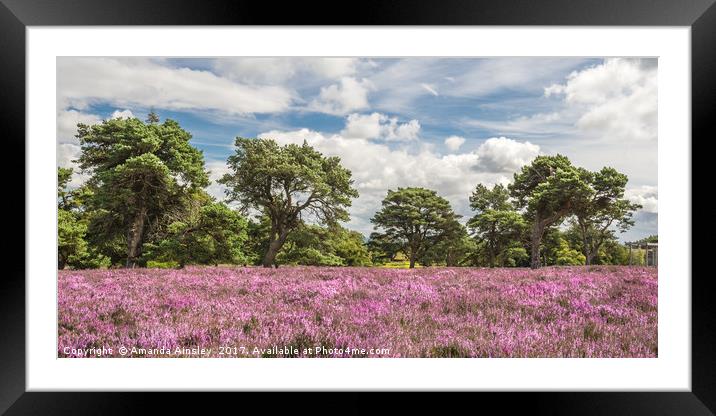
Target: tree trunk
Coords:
[[537, 231], [412, 261], [587, 251], [274, 247], [61, 262], [591, 252], [135, 237], [451, 260]]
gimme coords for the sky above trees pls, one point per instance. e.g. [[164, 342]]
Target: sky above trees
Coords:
[[441, 123]]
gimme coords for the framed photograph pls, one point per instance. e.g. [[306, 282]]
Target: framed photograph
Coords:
[[465, 197]]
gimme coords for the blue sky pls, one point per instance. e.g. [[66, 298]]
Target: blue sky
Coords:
[[443, 123]]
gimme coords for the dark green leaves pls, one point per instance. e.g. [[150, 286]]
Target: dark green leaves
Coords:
[[288, 184], [415, 219], [140, 172]]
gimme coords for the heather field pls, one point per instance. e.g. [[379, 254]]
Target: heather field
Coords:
[[599, 311]]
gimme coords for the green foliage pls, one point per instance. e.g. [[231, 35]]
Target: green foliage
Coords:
[[288, 183], [71, 244], [567, 256], [210, 233], [515, 256], [145, 204], [258, 236], [496, 199], [162, 264], [310, 256], [314, 245], [140, 174], [596, 212], [613, 253], [496, 224], [350, 247], [637, 257], [416, 219], [73, 249], [452, 248], [383, 248], [400, 264], [546, 190], [64, 176], [547, 187], [650, 239]]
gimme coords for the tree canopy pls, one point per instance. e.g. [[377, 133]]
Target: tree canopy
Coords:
[[145, 203], [415, 219], [209, 233], [596, 211], [547, 189], [140, 172], [496, 223], [288, 184], [324, 246], [73, 248]]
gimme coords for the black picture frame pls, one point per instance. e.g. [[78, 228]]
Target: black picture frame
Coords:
[[16, 15]]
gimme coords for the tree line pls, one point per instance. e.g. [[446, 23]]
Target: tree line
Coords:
[[145, 204]]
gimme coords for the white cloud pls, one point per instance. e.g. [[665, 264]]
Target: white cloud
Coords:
[[333, 68], [146, 83], [618, 99], [646, 196], [66, 154], [67, 124], [500, 154], [348, 95], [380, 126], [368, 126], [377, 167], [217, 169], [454, 142], [68, 148], [405, 131], [256, 70], [122, 114], [267, 70]]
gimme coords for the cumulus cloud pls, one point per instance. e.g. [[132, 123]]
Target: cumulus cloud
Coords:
[[147, 83], [68, 148], [615, 101], [332, 68], [454, 142], [122, 114], [217, 169], [500, 154], [344, 97], [646, 196], [66, 154], [380, 126], [377, 167], [67, 121], [618, 98]]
